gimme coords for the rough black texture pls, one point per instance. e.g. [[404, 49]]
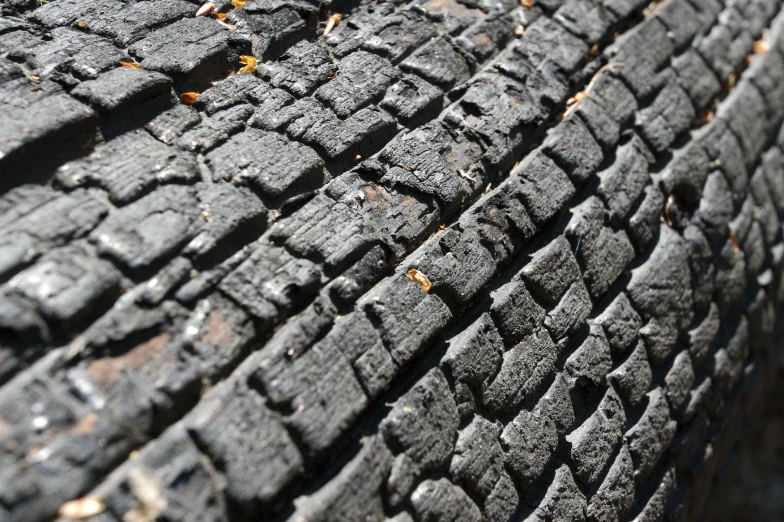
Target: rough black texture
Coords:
[[423, 268]]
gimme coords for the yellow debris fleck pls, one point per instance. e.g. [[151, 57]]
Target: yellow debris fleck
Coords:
[[420, 279], [762, 45], [80, 508], [250, 64], [705, 118]]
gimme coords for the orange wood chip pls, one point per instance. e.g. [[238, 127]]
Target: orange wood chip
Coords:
[[189, 97]]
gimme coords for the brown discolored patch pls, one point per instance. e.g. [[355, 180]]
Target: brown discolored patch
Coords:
[[33, 450], [461, 153], [454, 8], [374, 193], [85, 425], [4, 427], [219, 332], [108, 369], [482, 39], [407, 202], [103, 370], [143, 352]]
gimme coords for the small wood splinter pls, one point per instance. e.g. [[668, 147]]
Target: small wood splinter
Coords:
[[81, 508], [734, 240], [333, 22], [462, 174], [575, 100], [131, 64], [420, 279], [206, 10], [667, 209]]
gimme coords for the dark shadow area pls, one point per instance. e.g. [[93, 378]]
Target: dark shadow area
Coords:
[[755, 490]]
